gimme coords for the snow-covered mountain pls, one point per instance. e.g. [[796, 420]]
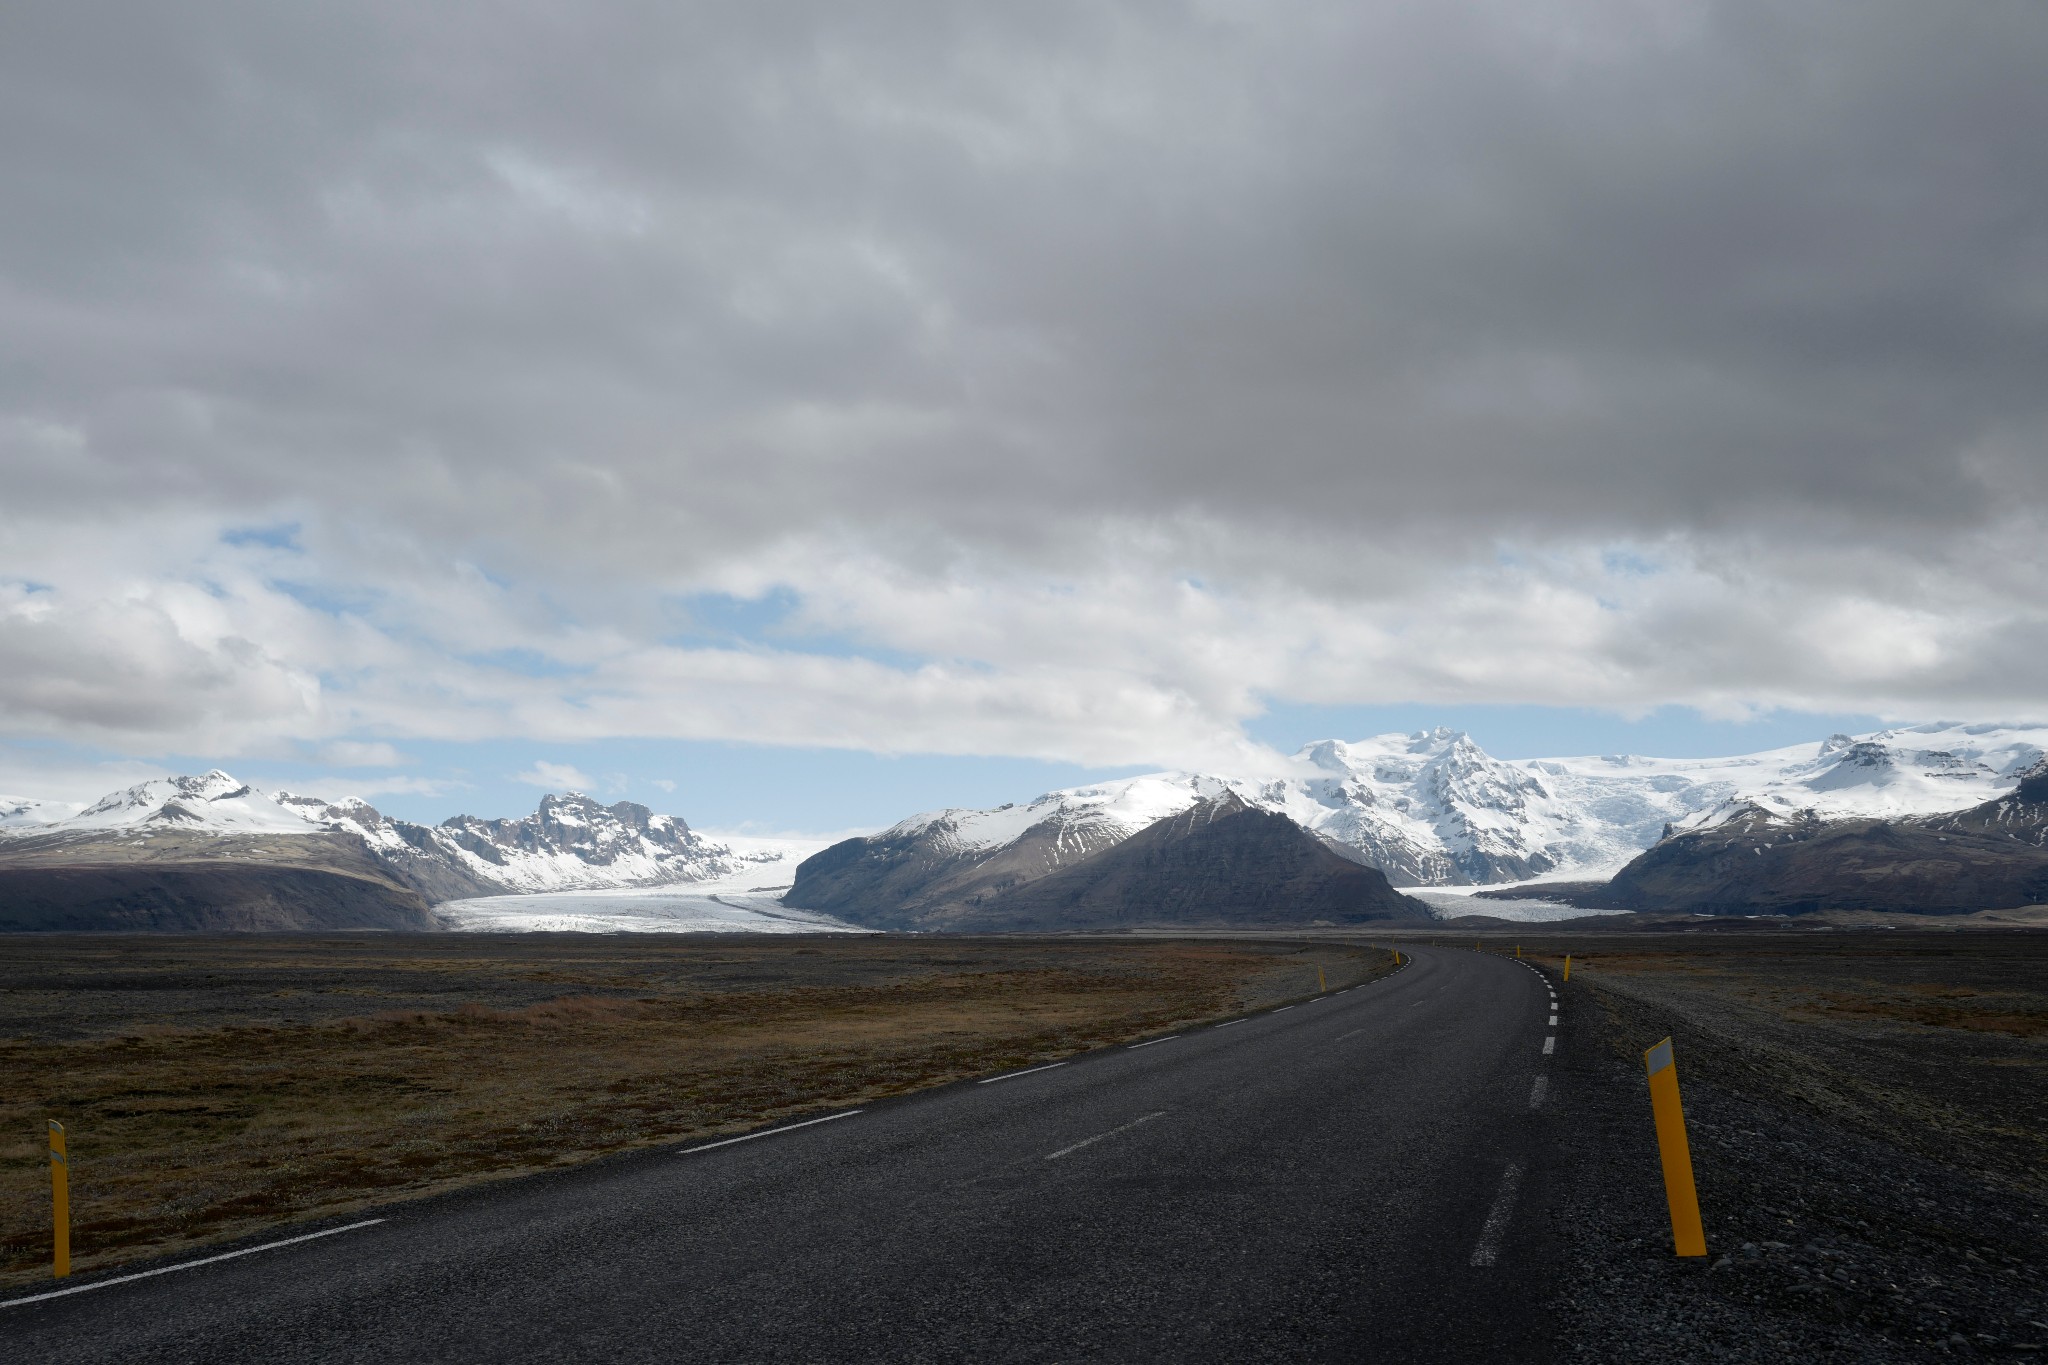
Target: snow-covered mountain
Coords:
[[571, 843], [27, 813], [213, 801], [1434, 809]]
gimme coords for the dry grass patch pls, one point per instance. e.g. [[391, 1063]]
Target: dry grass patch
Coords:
[[1937, 1008]]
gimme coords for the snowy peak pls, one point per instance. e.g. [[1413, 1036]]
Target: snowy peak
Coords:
[[1112, 810], [574, 839], [571, 842], [1918, 770], [211, 801]]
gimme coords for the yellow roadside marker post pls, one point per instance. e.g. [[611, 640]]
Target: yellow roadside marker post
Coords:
[[1518, 952], [1567, 966], [1687, 1236], [1321, 983], [60, 1202]]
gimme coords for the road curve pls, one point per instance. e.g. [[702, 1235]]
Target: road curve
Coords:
[[1365, 1176]]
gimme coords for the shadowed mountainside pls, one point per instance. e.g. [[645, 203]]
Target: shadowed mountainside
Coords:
[[202, 883], [1219, 863], [904, 878]]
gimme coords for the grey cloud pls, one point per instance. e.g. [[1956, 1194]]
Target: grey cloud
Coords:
[[1304, 299], [548, 274]]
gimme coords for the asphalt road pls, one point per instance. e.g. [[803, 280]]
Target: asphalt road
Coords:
[[1367, 1176]]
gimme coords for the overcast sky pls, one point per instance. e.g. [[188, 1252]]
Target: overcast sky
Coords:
[[416, 394]]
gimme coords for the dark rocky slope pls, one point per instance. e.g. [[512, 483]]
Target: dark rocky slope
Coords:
[[1220, 864], [202, 898], [1990, 857], [200, 881]]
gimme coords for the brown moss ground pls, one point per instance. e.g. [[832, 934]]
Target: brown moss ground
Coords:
[[217, 1087]]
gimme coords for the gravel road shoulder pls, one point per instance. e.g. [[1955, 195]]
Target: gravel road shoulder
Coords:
[[1826, 1243]]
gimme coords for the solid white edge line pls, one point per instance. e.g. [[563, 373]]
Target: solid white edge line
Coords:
[[186, 1265], [768, 1132], [1149, 1041], [1013, 1075]]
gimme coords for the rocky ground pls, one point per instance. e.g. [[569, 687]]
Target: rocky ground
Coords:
[[1850, 1216]]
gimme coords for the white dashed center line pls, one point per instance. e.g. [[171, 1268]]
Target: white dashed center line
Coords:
[[1550, 1045], [1089, 1142], [1488, 1250], [1538, 1091], [1149, 1041]]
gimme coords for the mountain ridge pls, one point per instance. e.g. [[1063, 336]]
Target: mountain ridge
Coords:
[[570, 842], [1429, 808]]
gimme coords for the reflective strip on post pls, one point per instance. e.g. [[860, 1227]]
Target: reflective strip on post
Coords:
[[1688, 1238]]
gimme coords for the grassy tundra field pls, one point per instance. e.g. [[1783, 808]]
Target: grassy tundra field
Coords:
[[218, 1086]]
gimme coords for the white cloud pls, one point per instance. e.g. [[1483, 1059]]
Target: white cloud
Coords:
[[665, 784], [350, 753], [556, 777], [398, 785]]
